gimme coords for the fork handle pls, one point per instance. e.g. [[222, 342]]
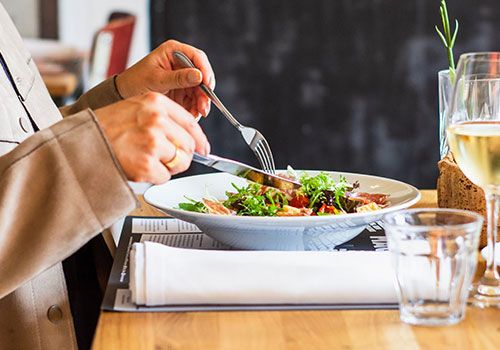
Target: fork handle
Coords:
[[209, 92], [184, 61]]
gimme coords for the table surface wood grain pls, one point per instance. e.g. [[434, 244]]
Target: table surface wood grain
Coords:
[[342, 330]]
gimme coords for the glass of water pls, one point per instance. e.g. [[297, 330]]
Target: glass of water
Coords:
[[434, 254]]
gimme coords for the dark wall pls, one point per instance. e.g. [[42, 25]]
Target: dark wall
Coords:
[[335, 85]]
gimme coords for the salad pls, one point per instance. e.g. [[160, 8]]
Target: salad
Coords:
[[319, 195]]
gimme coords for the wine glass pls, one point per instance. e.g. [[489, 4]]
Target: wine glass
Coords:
[[473, 131]]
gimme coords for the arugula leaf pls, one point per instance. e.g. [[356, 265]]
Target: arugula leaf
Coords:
[[339, 190], [317, 187], [253, 200], [349, 205], [196, 206], [314, 187], [259, 200]]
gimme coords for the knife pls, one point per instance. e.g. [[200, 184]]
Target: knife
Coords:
[[246, 171]]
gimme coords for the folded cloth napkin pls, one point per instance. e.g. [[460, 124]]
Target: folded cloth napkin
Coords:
[[162, 275]]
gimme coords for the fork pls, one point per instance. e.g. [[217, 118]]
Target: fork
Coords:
[[254, 138]]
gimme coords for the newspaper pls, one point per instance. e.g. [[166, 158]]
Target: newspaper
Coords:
[[177, 233]]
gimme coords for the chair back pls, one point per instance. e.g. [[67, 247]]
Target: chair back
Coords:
[[111, 47]]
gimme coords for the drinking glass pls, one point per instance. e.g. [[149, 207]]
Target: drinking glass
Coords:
[[434, 255], [473, 131], [444, 91]]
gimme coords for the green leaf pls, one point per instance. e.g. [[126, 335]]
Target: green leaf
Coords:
[[314, 186], [349, 205], [198, 207], [253, 201], [454, 34]]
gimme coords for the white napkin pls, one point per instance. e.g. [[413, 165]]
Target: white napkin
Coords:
[[161, 275]]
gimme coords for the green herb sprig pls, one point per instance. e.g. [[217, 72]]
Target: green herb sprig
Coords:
[[252, 204], [315, 186], [195, 206], [339, 190], [447, 38]]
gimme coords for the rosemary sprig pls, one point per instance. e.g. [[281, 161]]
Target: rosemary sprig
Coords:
[[447, 38]]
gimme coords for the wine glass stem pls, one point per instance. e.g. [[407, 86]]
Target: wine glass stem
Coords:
[[491, 273]]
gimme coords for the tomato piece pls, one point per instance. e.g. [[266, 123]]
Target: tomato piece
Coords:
[[322, 209], [337, 211], [299, 200], [329, 209]]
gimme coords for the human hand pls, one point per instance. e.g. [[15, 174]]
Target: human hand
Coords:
[[159, 72], [152, 137]]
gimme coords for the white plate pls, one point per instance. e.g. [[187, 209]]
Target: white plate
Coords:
[[484, 253], [276, 233]]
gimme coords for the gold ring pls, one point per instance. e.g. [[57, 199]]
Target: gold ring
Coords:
[[176, 160]]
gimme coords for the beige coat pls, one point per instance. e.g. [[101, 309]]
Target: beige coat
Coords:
[[59, 187]]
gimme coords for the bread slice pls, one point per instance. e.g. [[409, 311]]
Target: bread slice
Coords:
[[454, 190]]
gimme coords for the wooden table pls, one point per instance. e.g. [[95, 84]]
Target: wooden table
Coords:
[[60, 84], [60, 65], [342, 330]]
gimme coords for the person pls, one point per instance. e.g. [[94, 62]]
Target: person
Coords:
[[64, 180]]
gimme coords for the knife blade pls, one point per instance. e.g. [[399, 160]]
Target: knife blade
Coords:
[[246, 171]]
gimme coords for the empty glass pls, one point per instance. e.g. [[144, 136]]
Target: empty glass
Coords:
[[434, 255], [444, 90]]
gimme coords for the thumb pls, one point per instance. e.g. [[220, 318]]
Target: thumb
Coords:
[[182, 78]]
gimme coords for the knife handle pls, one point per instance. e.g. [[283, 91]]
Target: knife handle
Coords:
[[205, 160]]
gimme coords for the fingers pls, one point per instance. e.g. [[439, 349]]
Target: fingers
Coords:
[[177, 124], [152, 137], [176, 159], [183, 84], [168, 157], [203, 102], [156, 158], [193, 100], [179, 163], [198, 57], [173, 157], [173, 77], [181, 78]]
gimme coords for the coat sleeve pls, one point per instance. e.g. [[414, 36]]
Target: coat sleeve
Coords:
[[58, 189], [99, 96]]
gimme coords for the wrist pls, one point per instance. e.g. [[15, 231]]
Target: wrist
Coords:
[[122, 87], [116, 87]]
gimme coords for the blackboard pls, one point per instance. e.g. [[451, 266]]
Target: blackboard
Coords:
[[335, 85]]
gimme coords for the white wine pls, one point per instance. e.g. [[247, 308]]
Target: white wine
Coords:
[[476, 148]]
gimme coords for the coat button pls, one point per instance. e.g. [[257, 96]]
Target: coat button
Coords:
[[54, 314], [25, 124]]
